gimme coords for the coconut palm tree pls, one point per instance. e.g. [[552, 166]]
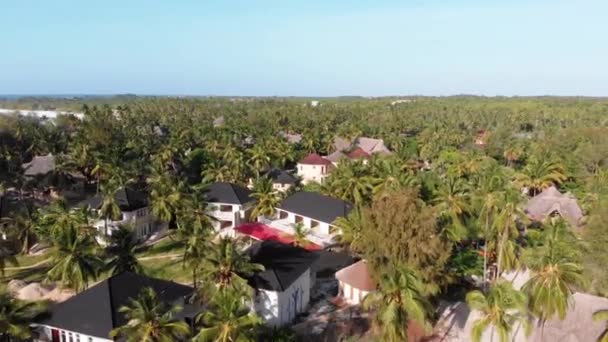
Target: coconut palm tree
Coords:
[[57, 218], [602, 316], [501, 308], [226, 320], [259, 159], [452, 201], [16, 317], [75, 259], [109, 209], [389, 177], [300, 234], [555, 272], [539, 174], [349, 229], [502, 240], [225, 262], [22, 227], [351, 182], [398, 301], [150, 320], [267, 198], [166, 195], [121, 252], [195, 235]]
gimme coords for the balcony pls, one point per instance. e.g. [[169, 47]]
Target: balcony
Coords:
[[285, 226]]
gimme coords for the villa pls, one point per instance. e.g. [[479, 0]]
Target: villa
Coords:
[[282, 290], [91, 315], [136, 214], [314, 168], [229, 204]]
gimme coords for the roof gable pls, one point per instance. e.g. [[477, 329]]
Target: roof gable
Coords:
[[95, 312], [281, 176], [126, 198], [222, 192], [314, 159], [316, 206], [551, 200]]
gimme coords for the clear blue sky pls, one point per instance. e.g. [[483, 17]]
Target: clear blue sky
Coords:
[[314, 47]]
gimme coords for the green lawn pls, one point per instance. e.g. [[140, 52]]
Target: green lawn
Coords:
[[169, 269]]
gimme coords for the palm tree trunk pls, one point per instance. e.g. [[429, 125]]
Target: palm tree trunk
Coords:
[[485, 253], [194, 277], [500, 254]]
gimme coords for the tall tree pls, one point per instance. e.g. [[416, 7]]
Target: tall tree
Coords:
[[150, 320], [539, 174], [349, 229], [75, 259], [16, 317], [226, 320], [267, 198], [399, 300], [501, 308], [121, 252]]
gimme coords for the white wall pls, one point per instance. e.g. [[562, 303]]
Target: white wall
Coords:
[[236, 216], [280, 308], [352, 295], [142, 221], [45, 335], [313, 173]]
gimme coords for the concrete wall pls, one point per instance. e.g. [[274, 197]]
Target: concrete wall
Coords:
[[236, 216], [352, 295], [141, 220]]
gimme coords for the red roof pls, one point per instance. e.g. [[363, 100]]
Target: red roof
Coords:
[[315, 159], [260, 231], [358, 153]]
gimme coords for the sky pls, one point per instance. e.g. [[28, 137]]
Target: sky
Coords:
[[304, 48]]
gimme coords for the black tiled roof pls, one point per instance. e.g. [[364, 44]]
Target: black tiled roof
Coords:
[[221, 192], [283, 264], [127, 199], [281, 176], [95, 312], [316, 206]]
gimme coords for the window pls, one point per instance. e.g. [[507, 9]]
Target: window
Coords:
[[225, 208], [71, 337], [63, 339], [90, 339]]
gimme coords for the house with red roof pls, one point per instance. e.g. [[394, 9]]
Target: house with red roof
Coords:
[[314, 168]]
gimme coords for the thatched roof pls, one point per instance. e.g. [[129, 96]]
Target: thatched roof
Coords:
[[39, 166], [550, 201]]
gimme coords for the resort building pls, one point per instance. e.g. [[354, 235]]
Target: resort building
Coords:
[[229, 204], [314, 168], [91, 315], [282, 290], [355, 282], [551, 202], [281, 180]]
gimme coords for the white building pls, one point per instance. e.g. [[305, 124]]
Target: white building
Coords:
[[91, 315], [314, 168], [282, 290], [315, 211], [355, 282], [135, 214], [229, 204]]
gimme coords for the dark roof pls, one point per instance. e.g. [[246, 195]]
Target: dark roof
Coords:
[[39, 166], [281, 176], [283, 264], [316, 206], [314, 159], [221, 192], [126, 198], [95, 312]]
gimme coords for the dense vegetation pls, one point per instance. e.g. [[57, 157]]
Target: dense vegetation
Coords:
[[437, 211]]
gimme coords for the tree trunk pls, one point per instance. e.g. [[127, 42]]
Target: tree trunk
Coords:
[[194, 277], [485, 253]]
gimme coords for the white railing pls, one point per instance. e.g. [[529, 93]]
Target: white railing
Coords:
[[285, 226]]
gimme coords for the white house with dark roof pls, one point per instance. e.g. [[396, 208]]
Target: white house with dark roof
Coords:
[[282, 290], [229, 204], [314, 168], [281, 179], [315, 211], [91, 315], [135, 214]]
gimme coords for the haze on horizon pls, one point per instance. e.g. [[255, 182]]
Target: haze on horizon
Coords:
[[305, 48]]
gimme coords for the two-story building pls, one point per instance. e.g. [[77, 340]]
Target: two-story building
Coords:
[[135, 214], [91, 315], [282, 289], [314, 168], [229, 205], [281, 180]]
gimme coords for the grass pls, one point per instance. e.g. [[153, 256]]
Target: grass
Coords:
[[166, 246], [168, 269]]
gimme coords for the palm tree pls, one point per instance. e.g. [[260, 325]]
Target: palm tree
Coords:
[[57, 218], [501, 308], [109, 209], [398, 301], [150, 320], [224, 264], [452, 201], [196, 239], [503, 238], [555, 272], [22, 226], [226, 320], [349, 229], [539, 174], [601, 316], [16, 317], [267, 198], [259, 159], [300, 234], [351, 182], [75, 259], [166, 195], [390, 177], [121, 251]]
